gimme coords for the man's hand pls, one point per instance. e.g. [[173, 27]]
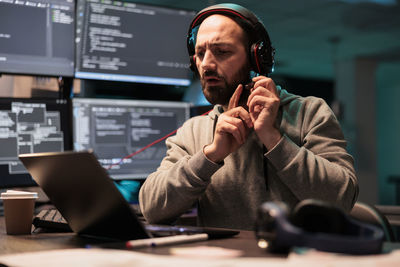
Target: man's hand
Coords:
[[231, 131], [233, 126], [263, 104]]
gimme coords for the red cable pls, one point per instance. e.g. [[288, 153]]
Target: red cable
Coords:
[[149, 145]]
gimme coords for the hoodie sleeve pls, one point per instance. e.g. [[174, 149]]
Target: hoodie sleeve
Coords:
[[311, 158], [181, 179]]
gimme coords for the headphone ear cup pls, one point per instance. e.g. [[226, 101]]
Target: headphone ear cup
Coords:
[[253, 58], [317, 216], [268, 217], [191, 49], [261, 58], [192, 65]]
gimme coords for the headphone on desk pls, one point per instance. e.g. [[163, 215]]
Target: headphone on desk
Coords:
[[315, 224], [261, 51]]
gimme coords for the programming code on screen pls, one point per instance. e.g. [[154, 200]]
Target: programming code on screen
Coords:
[[117, 128], [28, 127], [131, 42], [37, 37]]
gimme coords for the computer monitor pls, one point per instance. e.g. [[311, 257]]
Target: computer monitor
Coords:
[[132, 42], [114, 129], [37, 37], [28, 126]]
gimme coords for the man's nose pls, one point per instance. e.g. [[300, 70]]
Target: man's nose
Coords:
[[208, 62]]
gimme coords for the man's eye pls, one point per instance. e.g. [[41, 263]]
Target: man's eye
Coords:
[[222, 52], [200, 54]]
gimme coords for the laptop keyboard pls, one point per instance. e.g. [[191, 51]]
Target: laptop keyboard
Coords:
[[51, 218]]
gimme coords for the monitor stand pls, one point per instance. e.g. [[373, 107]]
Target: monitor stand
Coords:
[[65, 87]]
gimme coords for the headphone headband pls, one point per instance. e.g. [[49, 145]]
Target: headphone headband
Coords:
[[260, 50], [211, 11]]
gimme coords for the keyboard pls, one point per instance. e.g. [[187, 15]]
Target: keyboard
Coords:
[[51, 218]]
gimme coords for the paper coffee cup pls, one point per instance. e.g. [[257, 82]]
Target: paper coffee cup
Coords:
[[18, 211]]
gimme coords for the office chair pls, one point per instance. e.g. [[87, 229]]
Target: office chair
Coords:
[[369, 214]]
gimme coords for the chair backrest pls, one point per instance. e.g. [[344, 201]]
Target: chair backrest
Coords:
[[369, 214]]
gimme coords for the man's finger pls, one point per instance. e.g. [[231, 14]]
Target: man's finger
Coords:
[[241, 113], [234, 131], [234, 101], [267, 83], [258, 78]]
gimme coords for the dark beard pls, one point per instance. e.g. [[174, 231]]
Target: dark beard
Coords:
[[222, 94]]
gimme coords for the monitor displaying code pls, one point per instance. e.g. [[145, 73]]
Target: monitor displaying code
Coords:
[[30, 126], [115, 129], [132, 42], [37, 37]]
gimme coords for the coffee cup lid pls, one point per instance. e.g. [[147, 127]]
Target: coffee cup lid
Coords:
[[13, 194]]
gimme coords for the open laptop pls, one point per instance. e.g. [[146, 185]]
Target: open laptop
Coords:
[[80, 188]]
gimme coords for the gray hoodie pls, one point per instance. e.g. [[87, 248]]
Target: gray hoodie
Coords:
[[310, 161]]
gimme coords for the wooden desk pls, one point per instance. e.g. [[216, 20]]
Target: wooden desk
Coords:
[[10, 244], [245, 242]]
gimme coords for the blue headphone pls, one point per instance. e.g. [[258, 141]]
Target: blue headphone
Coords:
[[261, 52], [315, 224]]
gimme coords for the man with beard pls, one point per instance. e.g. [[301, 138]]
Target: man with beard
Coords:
[[258, 144]]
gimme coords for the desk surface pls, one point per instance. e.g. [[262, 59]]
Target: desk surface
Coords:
[[245, 242]]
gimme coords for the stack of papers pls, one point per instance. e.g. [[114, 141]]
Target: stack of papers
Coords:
[[109, 257]]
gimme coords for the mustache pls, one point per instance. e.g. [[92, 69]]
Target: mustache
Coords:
[[211, 73]]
